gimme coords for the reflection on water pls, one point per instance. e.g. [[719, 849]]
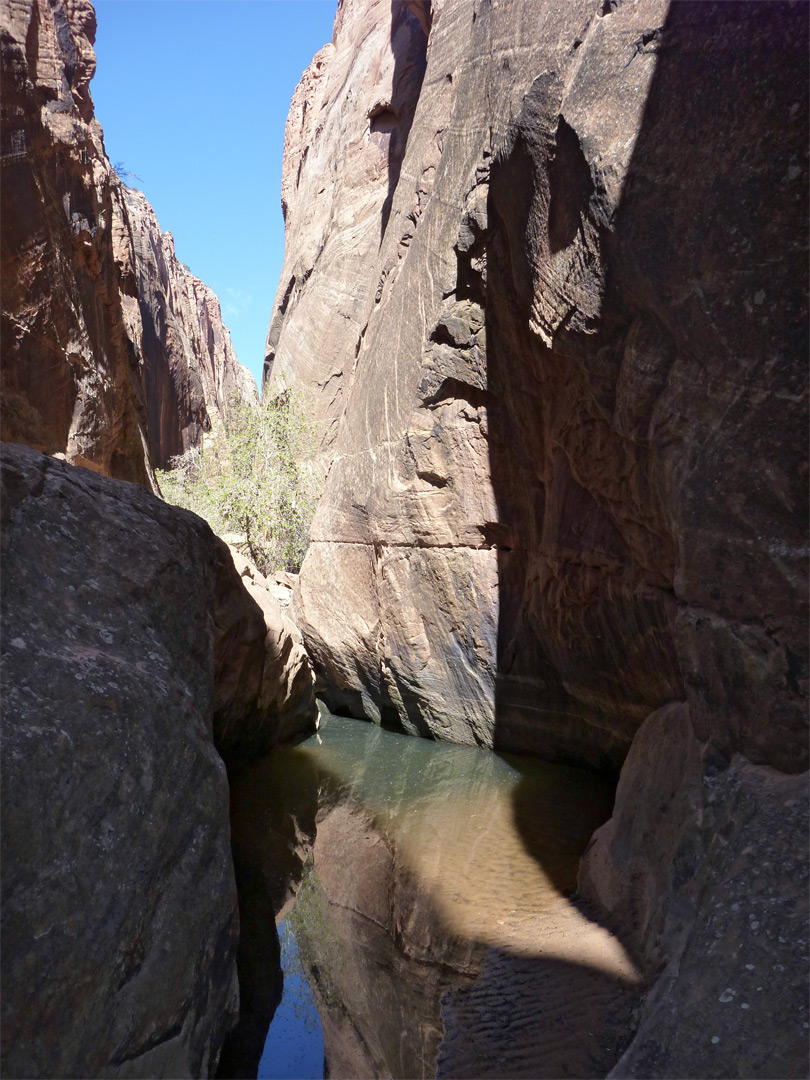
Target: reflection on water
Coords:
[[293, 1049], [419, 860]]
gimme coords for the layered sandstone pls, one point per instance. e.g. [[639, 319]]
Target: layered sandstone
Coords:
[[70, 383], [559, 391], [174, 322], [563, 390], [113, 354]]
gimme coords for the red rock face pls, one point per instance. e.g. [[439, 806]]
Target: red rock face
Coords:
[[560, 396], [68, 381], [174, 323], [87, 275]]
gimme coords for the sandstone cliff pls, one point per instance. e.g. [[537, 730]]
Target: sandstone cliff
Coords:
[[69, 381], [173, 320], [546, 269], [112, 353], [559, 353]]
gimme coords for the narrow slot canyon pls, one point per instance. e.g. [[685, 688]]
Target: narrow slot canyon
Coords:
[[428, 699]]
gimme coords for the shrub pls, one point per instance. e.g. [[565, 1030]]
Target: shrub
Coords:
[[255, 484], [125, 175]]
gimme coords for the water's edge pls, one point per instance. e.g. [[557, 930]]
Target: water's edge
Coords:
[[424, 865]]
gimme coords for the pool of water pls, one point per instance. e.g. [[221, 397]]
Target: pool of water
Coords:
[[293, 1049], [398, 869]]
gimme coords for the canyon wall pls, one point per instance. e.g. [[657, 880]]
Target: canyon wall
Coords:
[[113, 354], [174, 322], [544, 270]]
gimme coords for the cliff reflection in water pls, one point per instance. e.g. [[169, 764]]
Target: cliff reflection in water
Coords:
[[418, 859]]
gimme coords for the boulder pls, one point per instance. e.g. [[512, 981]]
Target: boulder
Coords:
[[704, 865], [126, 628], [119, 913], [264, 688]]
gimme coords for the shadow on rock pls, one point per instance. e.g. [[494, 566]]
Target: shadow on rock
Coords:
[[273, 807]]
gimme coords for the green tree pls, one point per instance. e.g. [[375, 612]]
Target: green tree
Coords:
[[255, 484]]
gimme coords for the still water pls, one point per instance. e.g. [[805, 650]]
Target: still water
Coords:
[[400, 869], [293, 1049]]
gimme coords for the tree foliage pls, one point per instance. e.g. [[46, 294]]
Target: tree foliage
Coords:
[[125, 174], [255, 484]]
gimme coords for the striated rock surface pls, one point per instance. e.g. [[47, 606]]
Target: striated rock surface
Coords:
[[130, 649], [119, 914], [563, 390], [70, 383], [343, 149], [113, 354], [559, 349], [189, 368]]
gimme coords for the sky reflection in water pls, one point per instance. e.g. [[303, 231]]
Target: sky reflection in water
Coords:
[[294, 1046]]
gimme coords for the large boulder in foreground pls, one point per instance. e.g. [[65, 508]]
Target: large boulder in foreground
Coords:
[[119, 913]]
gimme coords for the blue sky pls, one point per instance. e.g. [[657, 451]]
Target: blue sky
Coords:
[[193, 97]]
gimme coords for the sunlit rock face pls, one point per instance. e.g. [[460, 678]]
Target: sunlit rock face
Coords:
[[567, 501], [544, 270], [70, 382], [174, 321], [113, 354]]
